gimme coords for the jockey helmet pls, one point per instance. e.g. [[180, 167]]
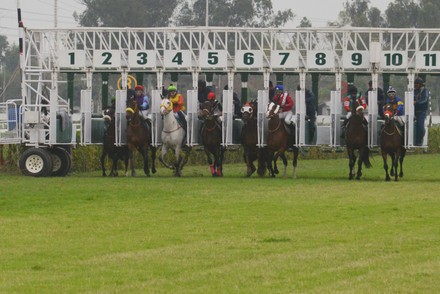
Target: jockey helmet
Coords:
[[279, 88], [211, 96], [172, 88], [352, 89], [418, 81], [139, 88], [391, 90]]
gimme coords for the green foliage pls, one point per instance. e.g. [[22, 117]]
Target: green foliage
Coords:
[[236, 13], [120, 13], [319, 233]]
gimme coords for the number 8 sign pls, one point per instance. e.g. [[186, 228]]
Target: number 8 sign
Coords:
[[320, 59]]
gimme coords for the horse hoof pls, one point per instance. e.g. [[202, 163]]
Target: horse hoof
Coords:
[[153, 170], [133, 174]]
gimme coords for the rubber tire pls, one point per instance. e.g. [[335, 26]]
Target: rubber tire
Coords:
[[36, 162], [61, 162]]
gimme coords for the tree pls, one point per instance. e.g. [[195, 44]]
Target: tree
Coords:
[[305, 23], [122, 13], [232, 13], [402, 14], [10, 74], [357, 13]]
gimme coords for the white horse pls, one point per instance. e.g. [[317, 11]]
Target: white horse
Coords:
[[172, 138]]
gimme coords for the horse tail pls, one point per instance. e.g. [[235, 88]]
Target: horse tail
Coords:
[[366, 157]]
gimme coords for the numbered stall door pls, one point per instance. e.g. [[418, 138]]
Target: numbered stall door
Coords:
[[409, 119], [120, 118], [86, 117], [335, 117], [156, 118], [227, 121], [300, 112], [262, 122], [192, 118], [372, 119]]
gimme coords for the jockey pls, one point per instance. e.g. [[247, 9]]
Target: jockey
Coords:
[[217, 107], [142, 101], [349, 103], [284, 100], [178, 105], [397, 104]]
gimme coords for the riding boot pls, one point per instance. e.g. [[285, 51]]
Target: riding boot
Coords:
[[184, 126]]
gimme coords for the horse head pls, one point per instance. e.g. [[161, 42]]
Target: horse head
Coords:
[[388, 112], [358, 107], [166, 106], [272, 110], [109, 116], [207, 110], [248, 111], [132, 110]]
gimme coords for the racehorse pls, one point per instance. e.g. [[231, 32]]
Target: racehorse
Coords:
[[212, 138], [249, 140], [278, 140], [172, 137], [391, 142], [139, 138], [356, 138], [109, 148]]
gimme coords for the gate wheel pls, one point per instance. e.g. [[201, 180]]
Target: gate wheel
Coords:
[[61, 161], [36, 162]]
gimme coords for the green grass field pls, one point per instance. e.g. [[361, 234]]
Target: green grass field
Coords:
[[317, 233]]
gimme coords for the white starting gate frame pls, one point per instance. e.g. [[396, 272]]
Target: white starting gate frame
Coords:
[[47, 54]]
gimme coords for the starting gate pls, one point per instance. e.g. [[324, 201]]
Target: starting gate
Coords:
[[42, 118]]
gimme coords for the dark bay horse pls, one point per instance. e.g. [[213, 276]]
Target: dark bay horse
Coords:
[[356, 138], [139, 138], [278, 141], [391, 143], [109, 148], [249, 140], [212, 138]]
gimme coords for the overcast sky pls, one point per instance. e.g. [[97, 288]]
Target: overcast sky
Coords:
[[40, 13]]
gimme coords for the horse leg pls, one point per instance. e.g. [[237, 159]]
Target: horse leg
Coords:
[[104, 153], [275, 166], [249, 163], [178, 161], [126, 163], [114, 171], [396, 164], [153, 159], [145, 155], [130, 157], [402, 156], [220, 161], [359, 169], [262, 162], [284, 159], [295, 160], [163, 152], [385, 165], [351, 162], [211, 165], [392, 156], [269, 164]]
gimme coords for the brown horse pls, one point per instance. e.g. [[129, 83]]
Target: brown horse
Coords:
[[249, 140], [391, 143], [212, 138], [139, 138], [356, 138], [278, 140], [109, 148]]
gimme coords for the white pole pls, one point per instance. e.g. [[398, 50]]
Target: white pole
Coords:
[[206, 16], [55, 14]]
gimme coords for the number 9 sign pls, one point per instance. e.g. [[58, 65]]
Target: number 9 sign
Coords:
[[356, 59]]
